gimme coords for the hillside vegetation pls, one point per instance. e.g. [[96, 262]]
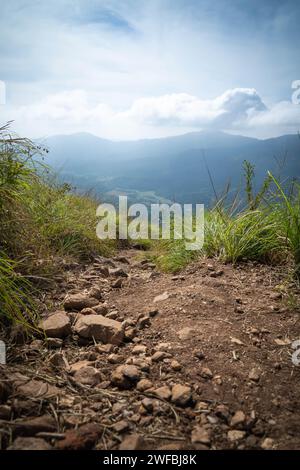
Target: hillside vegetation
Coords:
[[43, 223]]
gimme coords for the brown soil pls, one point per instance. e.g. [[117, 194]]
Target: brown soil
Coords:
[[240, 329]]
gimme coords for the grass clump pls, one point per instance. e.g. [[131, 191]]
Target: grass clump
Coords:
[[266, 230], [41, 222]]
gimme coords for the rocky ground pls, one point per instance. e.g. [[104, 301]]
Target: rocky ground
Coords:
[[138, 359]]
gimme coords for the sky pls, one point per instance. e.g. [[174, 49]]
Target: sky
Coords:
[[130, 69]]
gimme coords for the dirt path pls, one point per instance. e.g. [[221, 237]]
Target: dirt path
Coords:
[[209, 364]]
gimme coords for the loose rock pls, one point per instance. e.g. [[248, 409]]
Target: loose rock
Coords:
[[143, 385], [83, 438], [29, 443], [125, 376], [238, 418], [185, 333], [235, 435], [57, 325], [163, 392], [181, 395], [175, 365], [132, 442], [139, 349], [100, 328], [79, 302], [30, 427], [200, 435], [161, 297], [254, 374], [88, 376]]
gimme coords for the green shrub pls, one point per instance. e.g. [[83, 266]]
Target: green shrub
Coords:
[[16, 303]]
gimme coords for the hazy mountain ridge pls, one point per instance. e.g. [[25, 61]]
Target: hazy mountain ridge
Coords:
[[174, 168]]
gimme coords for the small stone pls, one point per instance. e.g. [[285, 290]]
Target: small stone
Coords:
[[57, 325], [206, 373], [218, 273], [105, 348], [175, 365], [238, 418], [161, 297], [200, 435], [163, 392], [267, 444], [142, 363], [202, 406], [254, 374], [29, 443], [35, 388], [199, 355], [181, 395], [95, 292], [130, 334], [148, 404], [113, 315], [100, 309], [79, 365], [88, 376], [185, 333], [143, 385], [163, 347], [118, 272], [159, 356], [139, 349], [236, 341], [31, 426], [78, 302], [222, 411], [125, 376], [99, 328], [131, 372], [115, 358], [132, 442], [235, 435], [144, 322], [57, 360], [121, 426], [153, 313], [88, 311], [83, 438]]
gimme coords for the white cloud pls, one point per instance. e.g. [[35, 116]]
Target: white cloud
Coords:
[[183, 109], [239, 109]]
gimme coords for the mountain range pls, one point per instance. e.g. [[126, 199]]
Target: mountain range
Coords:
[[190, 168]]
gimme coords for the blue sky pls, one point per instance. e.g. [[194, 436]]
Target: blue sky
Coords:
[[126, 69]]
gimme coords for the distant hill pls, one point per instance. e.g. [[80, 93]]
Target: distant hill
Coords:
[[172, 168]]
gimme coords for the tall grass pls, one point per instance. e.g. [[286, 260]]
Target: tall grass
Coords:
[[16, 303], [40, 221], [288, 215], [248, 235], [266, 229]]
